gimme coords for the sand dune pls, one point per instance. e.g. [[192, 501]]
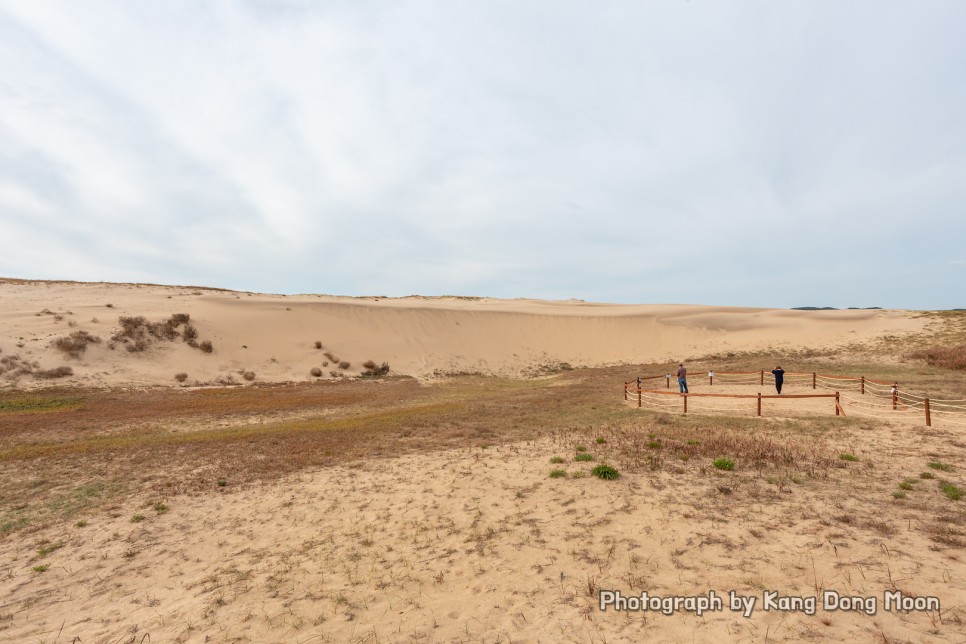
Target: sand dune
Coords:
[[273, 336]]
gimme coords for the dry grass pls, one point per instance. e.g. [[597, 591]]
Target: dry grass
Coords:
[[944, 357]]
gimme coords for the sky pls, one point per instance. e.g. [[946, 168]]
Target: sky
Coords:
[[741, 153]]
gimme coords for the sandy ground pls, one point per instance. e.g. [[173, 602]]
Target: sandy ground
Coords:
[[481, 545], [273, 336]]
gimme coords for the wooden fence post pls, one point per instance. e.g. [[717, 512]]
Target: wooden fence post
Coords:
[[837, 407], [638, 397], [759, 403], [813, 380], [895, 399], [685, 403], [763, 377], [667, 377], [926, 407], [625, 393], [862, 385]]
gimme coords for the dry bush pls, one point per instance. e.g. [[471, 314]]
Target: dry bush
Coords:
[[181, 377], [371, 369], [56, 372], [345, 364], [947, 357], [318, 344], [189, 334], [316, 372], [177, 319], [76, 343], [248, 375], [330, 357], [206, 346], [325, 363]]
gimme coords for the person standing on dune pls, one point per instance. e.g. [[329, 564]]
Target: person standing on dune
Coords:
[[779, 378], [682, 378]]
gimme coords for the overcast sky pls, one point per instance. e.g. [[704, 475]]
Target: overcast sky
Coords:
[[729, 153]]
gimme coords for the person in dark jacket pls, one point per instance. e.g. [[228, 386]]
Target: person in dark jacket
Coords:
[[683, 378], [779, 378]]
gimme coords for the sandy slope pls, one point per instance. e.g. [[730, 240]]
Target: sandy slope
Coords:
[[274, 335]]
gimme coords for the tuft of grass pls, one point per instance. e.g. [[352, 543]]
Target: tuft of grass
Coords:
[[583, 456], [318, 344], [181, 377], [345, 364], [654, 444], [899, 495], [600, 440], [581, 448], [907, 484], [222, 482], [206, 346], [605, 472], [46, 548], [248, 375], [556, 474], [723, 464], [316, 372], [927, 475], [952, 492], [160, 507], [41, 568], [137, 518], [556, 459], [848, 457], [943, 467]]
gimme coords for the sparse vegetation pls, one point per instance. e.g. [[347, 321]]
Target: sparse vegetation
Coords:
[[181, 377], [56, 372], [316, 372], [943, 467], [944, 357], [584, 456], [206, 346], [318, 344], [344, 365], [852, 458], [723, 464], [556, 474], [557, 459], [248, 375]]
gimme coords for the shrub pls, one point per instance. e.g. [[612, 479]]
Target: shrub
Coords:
[[556, 459], [56, 372], [316, 372], [76, 343], [248, 375], [605, 472], [181, 377], [330, 357], [372, 369], [206, 346], [325, 363], [318, 344], [556, 474], [189, 333], [178, 319], [584, 456], [723, 464], [344, 364]]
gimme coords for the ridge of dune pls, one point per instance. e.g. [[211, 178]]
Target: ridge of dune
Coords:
[[274, 336]]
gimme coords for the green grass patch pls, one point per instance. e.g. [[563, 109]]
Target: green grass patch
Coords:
[[584, 456], [908, 484], [852, 458], [556, 474], [556, 459], [723, 464], [26, 404], [942, 467], [951, 492], [605, 472]]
